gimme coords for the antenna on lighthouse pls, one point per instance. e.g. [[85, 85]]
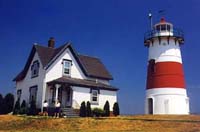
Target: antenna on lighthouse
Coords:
[[150, 19]]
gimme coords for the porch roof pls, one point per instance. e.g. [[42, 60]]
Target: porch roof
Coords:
[[82, 83]]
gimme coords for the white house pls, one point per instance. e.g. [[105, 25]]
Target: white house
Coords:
[[61, 73]]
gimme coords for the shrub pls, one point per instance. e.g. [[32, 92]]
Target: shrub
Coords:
[[8, 103], [23, 109], [32, 109], [1, 104], [16, 109], [83, 110], [107, 109], [116, 110], [88, 110], [98, 112]]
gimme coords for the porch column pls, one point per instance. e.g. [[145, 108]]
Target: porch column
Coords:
[[57, 87]]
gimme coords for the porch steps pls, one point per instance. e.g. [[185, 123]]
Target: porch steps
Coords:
[[69, 112]]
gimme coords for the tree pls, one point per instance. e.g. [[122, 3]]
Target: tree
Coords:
[[88, 110], [23, 109], [1, 104], [83, 110], [116, 110], [107, 109], [8, 103], [17, 107], [33, 109]]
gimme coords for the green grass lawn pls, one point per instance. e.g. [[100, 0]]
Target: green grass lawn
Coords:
[[137, 123]]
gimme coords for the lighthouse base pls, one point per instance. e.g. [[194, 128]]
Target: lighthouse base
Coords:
[[166, 101]]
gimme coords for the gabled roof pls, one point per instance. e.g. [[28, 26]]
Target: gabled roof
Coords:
[[91, 67], [46, 54], [94, 67]]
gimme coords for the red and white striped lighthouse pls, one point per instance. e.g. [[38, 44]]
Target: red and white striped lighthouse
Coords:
[[165, 86]]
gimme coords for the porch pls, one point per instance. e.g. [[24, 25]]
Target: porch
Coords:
[[64, 93], [64, 89], [61, 92]]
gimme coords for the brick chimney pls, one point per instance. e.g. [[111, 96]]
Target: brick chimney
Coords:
[[51, 42]]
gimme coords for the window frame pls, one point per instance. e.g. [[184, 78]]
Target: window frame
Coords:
[[35, 68], [92, 96], [168, 27], [152, 66], [30, 94], [157, 28], [19, 94], [163, 27], [68, 68]]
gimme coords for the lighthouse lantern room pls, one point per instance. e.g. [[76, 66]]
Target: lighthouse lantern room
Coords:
[[165, 86]]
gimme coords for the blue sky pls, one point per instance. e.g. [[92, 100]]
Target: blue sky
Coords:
[[112, 30]]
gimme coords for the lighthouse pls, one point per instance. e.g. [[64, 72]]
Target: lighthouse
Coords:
[[165, 86]]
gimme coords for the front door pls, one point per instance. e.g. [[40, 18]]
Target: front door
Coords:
[[69, 97], [150, 105]]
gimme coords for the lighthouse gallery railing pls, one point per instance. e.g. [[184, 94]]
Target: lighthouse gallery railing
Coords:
[[155, 33]]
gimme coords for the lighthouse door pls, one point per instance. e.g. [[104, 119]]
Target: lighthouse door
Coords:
[[150, 105]]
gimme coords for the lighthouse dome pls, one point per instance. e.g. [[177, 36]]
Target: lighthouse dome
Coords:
[[163, 29]]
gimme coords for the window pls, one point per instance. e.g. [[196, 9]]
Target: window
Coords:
[[35, 69], [152, 66], [163, 27], [158, 28], [94, 96], [19, 93], [33, 93], [168, 27], [67, 67]]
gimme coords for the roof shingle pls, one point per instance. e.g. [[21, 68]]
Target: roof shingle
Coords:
[[94, 67]]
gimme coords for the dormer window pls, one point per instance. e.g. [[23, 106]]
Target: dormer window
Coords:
[[67, 67], [35, 69]]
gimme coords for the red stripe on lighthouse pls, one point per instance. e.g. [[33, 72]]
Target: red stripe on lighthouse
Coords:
[[165, 74]]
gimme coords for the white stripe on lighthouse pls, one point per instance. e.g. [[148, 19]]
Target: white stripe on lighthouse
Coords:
[[168, 101], [162, 51]]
